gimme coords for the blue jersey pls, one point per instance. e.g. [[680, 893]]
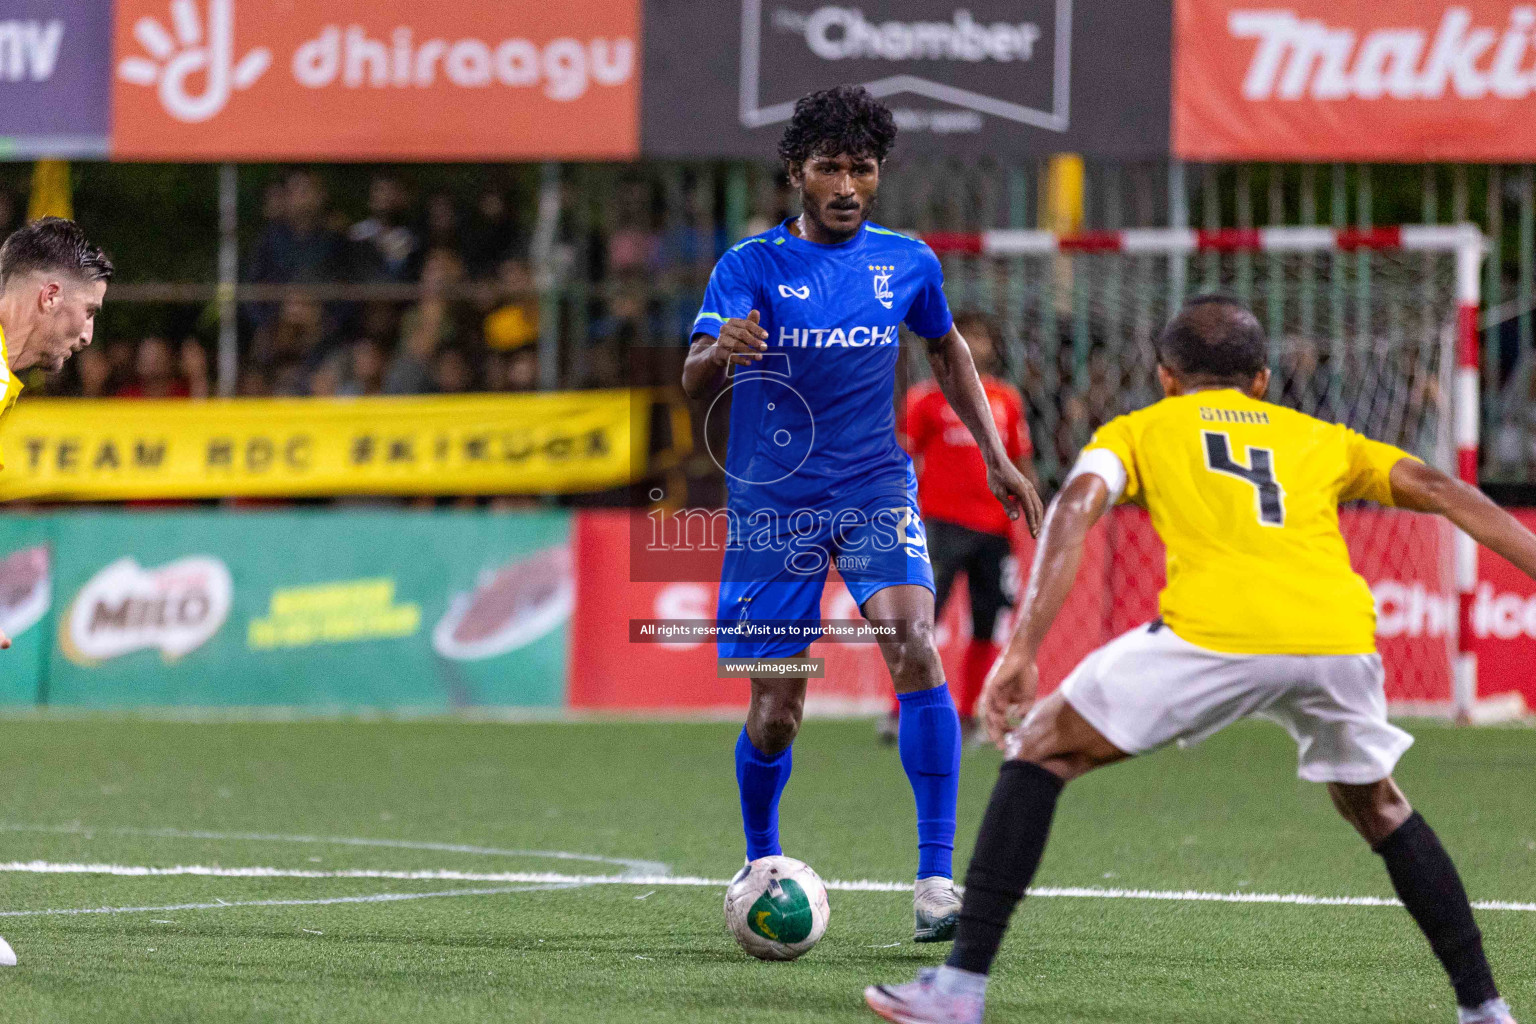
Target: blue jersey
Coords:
[[813, 423]]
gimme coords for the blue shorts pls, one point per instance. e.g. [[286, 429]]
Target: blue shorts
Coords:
[[776, 567]]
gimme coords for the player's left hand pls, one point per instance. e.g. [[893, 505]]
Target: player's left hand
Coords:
[[1009, 692], [1017, 494]]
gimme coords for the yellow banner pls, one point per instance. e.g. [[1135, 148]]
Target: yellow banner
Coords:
[[64, 449]]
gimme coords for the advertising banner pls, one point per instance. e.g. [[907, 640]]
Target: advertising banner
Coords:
[[55, 57], [608, 671], [375, 80], [1404, 560], [1370, 80], [463, 444], [26, 598], [1504, 624], [315, 610], [980, 77]]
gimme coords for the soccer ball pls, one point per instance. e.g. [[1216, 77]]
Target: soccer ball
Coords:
[[777, 908]]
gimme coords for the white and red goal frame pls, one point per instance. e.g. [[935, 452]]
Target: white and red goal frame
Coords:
[[1463, 242]]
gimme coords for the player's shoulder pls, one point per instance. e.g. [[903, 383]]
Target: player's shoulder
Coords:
[[885, 237], [749, 251]]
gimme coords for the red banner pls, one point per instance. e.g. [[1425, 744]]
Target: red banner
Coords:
[[1386, 80], [1405, 557], [375, 80]]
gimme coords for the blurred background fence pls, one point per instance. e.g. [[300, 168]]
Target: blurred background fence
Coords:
[[352, 280]]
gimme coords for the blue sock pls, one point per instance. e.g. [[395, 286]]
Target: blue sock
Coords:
[[761, 779], [929, 741]]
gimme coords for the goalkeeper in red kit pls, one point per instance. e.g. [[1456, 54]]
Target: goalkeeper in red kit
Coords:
[[968, 531]]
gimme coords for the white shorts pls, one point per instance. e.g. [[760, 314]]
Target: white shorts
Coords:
[[1148, 688]]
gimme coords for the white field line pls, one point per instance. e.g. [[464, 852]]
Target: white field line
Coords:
[[385, 897], [631, 866], [864, 885]]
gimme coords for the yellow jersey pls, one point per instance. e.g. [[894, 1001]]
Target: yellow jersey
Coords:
[[1245, 496], [12, 383]]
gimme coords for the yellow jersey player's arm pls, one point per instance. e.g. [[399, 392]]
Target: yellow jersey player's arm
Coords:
[[1015, 679], [1421, 488]]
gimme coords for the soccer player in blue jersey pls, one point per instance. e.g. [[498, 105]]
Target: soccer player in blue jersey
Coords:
[[800, 325]]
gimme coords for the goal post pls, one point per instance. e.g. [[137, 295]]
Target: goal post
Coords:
[[1373, 327]]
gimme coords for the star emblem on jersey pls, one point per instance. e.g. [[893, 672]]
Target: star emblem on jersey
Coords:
[[803, 292], [883, 283]]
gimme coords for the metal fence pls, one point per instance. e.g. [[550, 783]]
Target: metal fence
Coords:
[[617, 256]]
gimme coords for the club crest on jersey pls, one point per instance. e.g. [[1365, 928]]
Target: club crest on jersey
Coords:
[[803, 292], [883, 283]]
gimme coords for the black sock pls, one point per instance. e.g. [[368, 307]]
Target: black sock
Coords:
[[1427, 883], [1008, 850]]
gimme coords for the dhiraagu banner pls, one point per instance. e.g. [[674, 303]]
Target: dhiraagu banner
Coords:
[[318, 610]]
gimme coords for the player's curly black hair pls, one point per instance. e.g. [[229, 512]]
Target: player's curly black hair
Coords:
[[842, 119], [1214, 339]]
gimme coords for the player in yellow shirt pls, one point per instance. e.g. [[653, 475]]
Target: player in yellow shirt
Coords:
[[51, 286], [1262, 615], [52, 282]]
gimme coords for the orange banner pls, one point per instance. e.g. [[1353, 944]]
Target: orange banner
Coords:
[[1382, 80], [375, 80]]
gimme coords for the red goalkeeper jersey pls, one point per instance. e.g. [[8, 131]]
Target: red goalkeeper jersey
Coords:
[[951, 475]]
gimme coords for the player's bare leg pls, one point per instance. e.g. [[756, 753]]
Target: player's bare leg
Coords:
[[1053, 746], [1430, 888], [763, 758], [928, 737]]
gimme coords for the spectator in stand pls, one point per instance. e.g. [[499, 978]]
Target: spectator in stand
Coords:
[[517, 370], [515, 322], [442, 222], [95, 373], [365, 377], [120, 357], [632, 245], [426, 327], [328, 377], [296, 335], [968, 531], [299, 246], [157, 374], [384, 247], [491, 235], [451, 371]]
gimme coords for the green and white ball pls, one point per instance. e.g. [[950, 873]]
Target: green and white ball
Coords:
[[777, 908]]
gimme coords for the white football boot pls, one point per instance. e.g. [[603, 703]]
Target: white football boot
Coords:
[[918, 1002], [1494, 1011], [936, 909], [7, 954]]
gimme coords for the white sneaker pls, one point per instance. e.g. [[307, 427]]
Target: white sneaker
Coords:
[[1494, 1011], [7, 954], [918, 1002], [936, 909]]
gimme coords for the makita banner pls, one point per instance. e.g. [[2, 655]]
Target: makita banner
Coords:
[[54, 59], [1374, 80], [969, 78]]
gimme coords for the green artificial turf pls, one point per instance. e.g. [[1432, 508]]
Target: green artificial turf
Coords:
[[1228, 816]]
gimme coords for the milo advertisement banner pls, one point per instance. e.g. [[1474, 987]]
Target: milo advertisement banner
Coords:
[[26, 596], [323, 610]]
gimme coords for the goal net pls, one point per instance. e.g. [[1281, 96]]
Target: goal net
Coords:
[[1365, 328]]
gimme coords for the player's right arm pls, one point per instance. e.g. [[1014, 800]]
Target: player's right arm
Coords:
[[741, 341], [726, 331], [1013, 682], [1425, 489]]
